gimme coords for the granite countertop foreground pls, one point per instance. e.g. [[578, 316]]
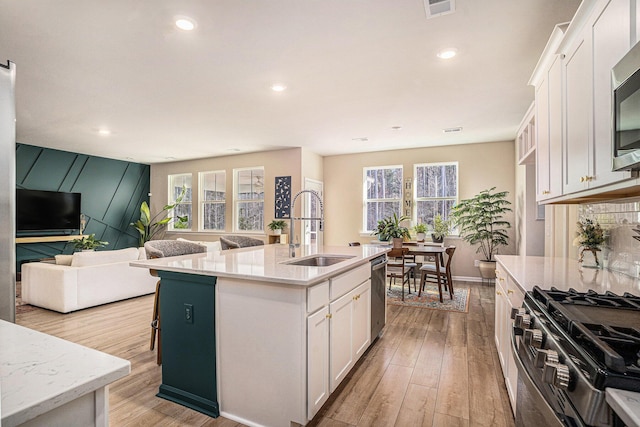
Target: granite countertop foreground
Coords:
[[40, 372]]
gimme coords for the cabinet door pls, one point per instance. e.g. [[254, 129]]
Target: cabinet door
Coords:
[[361, 319], [577, 69], [542, 144], [554, 77], [501, 317], [341, 338], [611, 34], [317, 360]]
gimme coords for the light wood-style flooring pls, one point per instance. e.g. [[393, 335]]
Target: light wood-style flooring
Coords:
[[430, 368]]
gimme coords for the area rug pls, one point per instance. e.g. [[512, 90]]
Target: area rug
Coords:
[[21, 307], [430, 298]]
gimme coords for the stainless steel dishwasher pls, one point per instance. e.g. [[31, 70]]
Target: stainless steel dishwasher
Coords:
[[378, 295]]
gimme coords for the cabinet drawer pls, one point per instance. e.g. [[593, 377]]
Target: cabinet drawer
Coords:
[[317, 296], [343, 283]]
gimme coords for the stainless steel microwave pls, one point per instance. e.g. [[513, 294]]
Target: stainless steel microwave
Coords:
[[626, 111]]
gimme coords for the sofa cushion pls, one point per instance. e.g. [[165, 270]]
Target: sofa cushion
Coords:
[[85, 259], [63, 259]]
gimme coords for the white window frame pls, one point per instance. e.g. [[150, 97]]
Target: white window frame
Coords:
[[237, 201], [417, 199], [203, 202], [365, 200], [171, 200]]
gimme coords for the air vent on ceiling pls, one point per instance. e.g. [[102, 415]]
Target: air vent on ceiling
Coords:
[[452, 130], [435, 8]]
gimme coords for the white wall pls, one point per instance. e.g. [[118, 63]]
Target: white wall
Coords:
[[480, 167]]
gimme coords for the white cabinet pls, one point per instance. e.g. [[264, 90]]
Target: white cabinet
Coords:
[[547, 80], [317, 360], [598, 45], [349, 331], [508, 296], [526, 137], [338, 333]]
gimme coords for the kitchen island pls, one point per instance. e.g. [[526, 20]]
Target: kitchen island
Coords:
[[250, 335]]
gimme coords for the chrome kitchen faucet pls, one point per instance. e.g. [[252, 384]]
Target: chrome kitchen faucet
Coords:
[[292, 245]]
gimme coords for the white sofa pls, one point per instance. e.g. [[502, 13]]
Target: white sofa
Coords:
[[86, 279]]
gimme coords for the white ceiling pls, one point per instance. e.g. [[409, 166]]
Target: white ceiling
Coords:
[[353, 68]]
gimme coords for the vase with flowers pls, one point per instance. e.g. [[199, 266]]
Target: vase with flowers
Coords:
[[590, 237]]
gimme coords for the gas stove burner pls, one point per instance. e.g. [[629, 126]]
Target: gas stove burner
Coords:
[[589, 298], [617, 347]]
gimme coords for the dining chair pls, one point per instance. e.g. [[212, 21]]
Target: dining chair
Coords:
[[438, 273], [164, 249], [234, 242], [397, 268]]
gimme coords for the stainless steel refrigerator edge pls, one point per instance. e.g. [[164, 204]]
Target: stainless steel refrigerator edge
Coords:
[[7, 192]]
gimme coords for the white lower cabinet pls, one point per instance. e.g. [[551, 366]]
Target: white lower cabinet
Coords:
[[317, 360], [337, 336], [508, 296]]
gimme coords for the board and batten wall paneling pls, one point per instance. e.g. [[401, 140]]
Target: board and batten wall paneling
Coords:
[[7, 194], [480, 167], [112, 191]]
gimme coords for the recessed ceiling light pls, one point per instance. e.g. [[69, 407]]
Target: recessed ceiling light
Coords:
[[396, 128], [233, 149], [278, 87], [186, 24], [104, 132], [361, 139], [447, 53], [170, 158]]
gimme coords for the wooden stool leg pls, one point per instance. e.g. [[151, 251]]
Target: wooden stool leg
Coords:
[[154, 318], [159, 357], [423, 276]]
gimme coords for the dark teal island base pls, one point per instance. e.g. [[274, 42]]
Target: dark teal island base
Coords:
[[187, 313]]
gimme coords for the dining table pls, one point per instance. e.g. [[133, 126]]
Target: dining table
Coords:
[[427, 249]]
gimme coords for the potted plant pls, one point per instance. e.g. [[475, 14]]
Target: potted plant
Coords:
[[390, 228], [87, 243], [441, 227], [277, 225], [480, 220], [421, 231], [149, 227], [590, 237]]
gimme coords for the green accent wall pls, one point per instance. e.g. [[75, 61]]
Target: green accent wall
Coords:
[[112, 191]]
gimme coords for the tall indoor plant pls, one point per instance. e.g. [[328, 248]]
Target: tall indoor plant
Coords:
[[149, 227], [480, 221]]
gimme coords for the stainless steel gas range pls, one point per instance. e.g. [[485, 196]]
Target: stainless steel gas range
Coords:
[[570, 346]]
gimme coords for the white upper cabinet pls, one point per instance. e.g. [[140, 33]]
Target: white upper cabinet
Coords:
[[547, 79], [601, 42], [574, 101]]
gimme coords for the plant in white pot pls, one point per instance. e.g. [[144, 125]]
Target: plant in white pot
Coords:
[[277, 225], [421, 231], [441, 228], [391, 228], [480, 221]]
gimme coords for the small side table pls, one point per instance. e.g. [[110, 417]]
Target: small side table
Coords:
[[278, 238]]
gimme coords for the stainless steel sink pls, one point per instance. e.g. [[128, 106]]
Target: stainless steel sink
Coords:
[[323, 260]]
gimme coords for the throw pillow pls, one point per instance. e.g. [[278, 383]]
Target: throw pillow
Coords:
[[85, 259], [63, 259]]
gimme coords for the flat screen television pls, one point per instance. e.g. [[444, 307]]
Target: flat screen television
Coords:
[[38, 210]]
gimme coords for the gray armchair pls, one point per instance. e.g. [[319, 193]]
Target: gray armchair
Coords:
[[234, 242]]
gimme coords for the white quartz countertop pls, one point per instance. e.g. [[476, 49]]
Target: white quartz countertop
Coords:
[[266, 263], [626, 404], [562, 273], [40, 372]]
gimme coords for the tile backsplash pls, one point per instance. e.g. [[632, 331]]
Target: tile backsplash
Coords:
[[618, 219]]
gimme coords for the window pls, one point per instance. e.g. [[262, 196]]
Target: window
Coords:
[[176, 184], [436, 190], [212, 200], [249, 199], [382, 189]]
